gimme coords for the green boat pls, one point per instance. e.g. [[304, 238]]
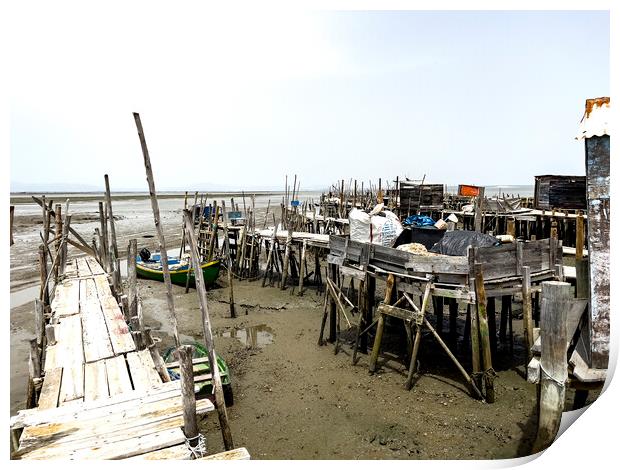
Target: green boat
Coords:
[[203, 384], [179, 270]]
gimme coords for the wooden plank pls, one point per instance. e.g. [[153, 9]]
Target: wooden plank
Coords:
[[83, 268], [95, 336], [583, 373], [123, 448], [71, 358], [92, 409], [120, 337], [107, 435], [235, 454], [153, 376], [50, 358], [95, 381], [94, 266], [533, 370], [118, 375], [406, 315], [50, 390], [178, 452], [66, 299], [138, 373]]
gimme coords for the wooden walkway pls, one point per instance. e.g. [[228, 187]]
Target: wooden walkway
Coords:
[[100, 397]]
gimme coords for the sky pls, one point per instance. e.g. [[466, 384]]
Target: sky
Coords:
[[236, 100]]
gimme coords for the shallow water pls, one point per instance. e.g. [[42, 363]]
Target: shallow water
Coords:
[[257, 336]]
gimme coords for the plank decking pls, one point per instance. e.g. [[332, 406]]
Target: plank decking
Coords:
[[100, 397]]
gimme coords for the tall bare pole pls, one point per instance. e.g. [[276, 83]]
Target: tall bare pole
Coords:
[[160, 231], [208, 335]]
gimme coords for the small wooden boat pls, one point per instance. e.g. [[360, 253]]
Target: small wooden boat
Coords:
[[179, 270]]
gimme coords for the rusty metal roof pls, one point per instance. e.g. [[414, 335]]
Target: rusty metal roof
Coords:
[[596, 119]]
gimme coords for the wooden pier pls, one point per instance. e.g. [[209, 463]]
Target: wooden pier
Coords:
[[100, 397]]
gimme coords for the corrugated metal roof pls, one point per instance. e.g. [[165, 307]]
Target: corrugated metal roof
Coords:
[[595, 120]]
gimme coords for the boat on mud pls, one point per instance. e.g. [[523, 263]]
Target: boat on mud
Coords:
[[149, 267]]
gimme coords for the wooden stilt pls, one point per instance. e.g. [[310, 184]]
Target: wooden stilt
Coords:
[[372, 367], [487, 365], [528, 326], [183, 355]]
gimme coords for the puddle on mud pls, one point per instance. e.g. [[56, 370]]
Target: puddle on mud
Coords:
[[257, 336]]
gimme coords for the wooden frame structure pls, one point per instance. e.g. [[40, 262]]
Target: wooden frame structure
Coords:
[[501, 271]]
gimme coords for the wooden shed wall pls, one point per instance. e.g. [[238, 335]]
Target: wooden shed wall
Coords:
[[560, 192], [424, 197]]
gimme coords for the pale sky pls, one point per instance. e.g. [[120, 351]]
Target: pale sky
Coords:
[[234, 100]]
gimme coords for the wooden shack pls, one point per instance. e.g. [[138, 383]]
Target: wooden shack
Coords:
[[560, 192], [415, 197]]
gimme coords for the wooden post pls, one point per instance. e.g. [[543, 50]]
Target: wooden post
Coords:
[[50, 334], [389, 287], [231, 298], [132, 253], [454, 312], [63, 248], [12, 210], [160, 231], [553, 361], [58, 227], [473, 321], [35, 360], [184, 355], [108, 199], [528, 322], [44, 294], [105, 246], [487, 364], [510, 227], [208, 336], [332, 275], [478, 211], [157, 359], [39, 321], [301, 268], [287, 254]]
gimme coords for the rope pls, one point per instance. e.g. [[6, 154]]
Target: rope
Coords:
[[200, 449], [549, 376]]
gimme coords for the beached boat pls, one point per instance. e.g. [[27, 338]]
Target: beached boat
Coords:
[[179, 270]]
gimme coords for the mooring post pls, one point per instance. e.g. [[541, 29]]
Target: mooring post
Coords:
[[184, 355], [58, 227], [483, 326], [44, 294], [553, 362], [105, 246], [132, 287], [160, 230], [231, 297], [208, 336], [528, 321]]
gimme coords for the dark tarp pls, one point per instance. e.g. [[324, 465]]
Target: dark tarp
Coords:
[[455, 243]]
